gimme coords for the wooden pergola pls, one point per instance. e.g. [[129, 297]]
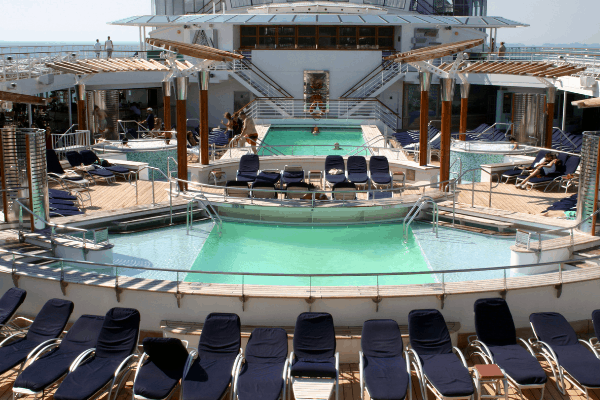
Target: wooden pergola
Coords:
[[433, 52], [23, 98], [95, 66], [194, 50], [587, 103], [527, 68]]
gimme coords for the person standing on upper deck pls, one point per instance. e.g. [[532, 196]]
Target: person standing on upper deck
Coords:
[[501, 50], [97, 48], [108, 46]]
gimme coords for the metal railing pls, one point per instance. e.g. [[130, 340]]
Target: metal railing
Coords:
[[492, 187], [371, 84], [414, 213], [71, 141], [573, 145], [256, 78]]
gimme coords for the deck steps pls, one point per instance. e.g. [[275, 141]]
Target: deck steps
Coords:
[[31, 253], [463, 219]]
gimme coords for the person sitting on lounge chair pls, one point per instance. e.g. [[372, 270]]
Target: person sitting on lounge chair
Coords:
[[547, 166]]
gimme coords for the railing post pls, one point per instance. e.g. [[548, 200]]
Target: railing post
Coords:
[[153, 199]]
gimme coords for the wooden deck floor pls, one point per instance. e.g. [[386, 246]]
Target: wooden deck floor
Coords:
[[350, 388]]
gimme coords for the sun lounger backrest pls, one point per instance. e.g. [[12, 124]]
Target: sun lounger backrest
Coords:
[[249, 163], [541, 154], [50, 321], [571, 164], [83, 334], [494, 324], [334, 162], [357, 164], [314, 336], [563, 158], [9, 303], [297, 190], [267, 346], [381, 338], [221, 336], [379, 164], [52, 163], [553, 328], [428, 332], [119, 334], [74, 158], [596, 322], [89, 157], [166, 353]]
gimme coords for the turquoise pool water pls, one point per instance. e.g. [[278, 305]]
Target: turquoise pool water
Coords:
[[318, 145]]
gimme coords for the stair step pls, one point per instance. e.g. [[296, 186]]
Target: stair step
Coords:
[[462, 218]]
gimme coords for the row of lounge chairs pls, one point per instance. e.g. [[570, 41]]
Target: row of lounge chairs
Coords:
[[568, 166], [62, 203], [94, 356]]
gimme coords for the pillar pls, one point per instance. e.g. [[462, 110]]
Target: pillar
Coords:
[[564, 113], [550, 97], [69, 106], [81, 120], [203, 77], [465, 88], [447, 85], [425, 78], [166, 87], [30, 116], [181, 86]]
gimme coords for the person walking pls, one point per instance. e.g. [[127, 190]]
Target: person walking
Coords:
[[229, 126], [108, 46], [249, 132], [97, 48]]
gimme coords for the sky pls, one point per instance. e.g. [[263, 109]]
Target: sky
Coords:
[[552, 21]]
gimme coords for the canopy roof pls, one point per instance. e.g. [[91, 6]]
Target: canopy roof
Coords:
[[318, 19], [432, 52], [540, 69], [93, 66]]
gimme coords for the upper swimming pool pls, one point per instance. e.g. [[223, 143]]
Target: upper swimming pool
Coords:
[[301, 141]]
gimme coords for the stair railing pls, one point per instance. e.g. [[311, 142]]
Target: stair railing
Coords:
[[414, 212]]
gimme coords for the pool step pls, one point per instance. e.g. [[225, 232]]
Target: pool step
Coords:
[[152, 222], [463, 219], [587, 253], [30, 253]]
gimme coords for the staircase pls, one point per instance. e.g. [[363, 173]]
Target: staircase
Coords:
[[30, 254], [255, 80], [377, 80]]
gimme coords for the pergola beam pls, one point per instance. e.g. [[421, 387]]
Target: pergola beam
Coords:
[[23, 98], [194, 50], [587, 103], [432, 52]]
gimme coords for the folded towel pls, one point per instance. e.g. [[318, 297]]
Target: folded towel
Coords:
[[335, 171]]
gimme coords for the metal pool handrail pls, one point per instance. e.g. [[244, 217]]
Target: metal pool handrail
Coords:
[[472, 170]]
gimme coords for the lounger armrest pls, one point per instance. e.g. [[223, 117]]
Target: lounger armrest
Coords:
[[361, 368], [124, 364], [285, 380], [139, 366], [527, 346], [482, 346], [40, 347], [237, 369], [14, 335], [588, 345], [546, 349], [460, 355], [188, 364], [80, 358]]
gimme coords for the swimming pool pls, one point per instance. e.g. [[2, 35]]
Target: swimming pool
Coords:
[[248, 247], [301, 141]]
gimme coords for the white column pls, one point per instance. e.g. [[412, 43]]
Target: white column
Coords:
[[564, 116]]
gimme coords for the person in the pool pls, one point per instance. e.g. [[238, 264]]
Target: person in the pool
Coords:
[[315, 131], [512, 140], [336, 146]]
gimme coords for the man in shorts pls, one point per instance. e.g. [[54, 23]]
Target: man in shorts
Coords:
[[249, 132], [108, 46]]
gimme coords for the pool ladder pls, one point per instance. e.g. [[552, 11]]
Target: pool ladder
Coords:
[[414, 212], [204, 204]]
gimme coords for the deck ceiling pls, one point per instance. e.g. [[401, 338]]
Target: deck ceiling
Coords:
[[433, 52], [536, 69], [93, 66], [194, 50], [353, 16]]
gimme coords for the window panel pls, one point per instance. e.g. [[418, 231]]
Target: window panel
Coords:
[[307, 42], [327, 41], [248, 30], [287, 31], [348, 31], [367, 31], [307, 31], [286, 42], [386, 31], [267, 31], [327, 31], [248, 41]]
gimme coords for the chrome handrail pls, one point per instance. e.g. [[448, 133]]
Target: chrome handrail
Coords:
[[472, 170], [566, 137]]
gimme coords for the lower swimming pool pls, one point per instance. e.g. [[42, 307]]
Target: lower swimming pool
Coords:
[[301, 141], [247, 247]]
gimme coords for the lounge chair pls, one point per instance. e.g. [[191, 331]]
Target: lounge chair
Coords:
[[237, 189], [103, 369], [383, 372], [379, 171], [262, 373], [344, 191], [160, 369], [61, 195], [357, 170], [47, 326], [248, 168], [270, 176], [334, 163], [10, 302], [569, 165], [575, 360], [265, 186], [314, 356], [292, 174], [297, 190], [514, 173], [63, 210], [212, 367], [90, 158], [51, 364], [497, 343], [440, 367], [596, 322], [76, 160], [56, 171]]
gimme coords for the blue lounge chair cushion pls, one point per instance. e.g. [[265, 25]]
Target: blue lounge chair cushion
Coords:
[[271, 177], [221, 336], [448, 374], [261, 377], [64, 213], [118, 169], [9, 303], [60, 194], [335, 162], [544, 179], [358, 177], [494, 323], [380, 170], [513, 172], [208, 378], [381, 338], [15, 353], [61, 202], [321, 368], [164, 368], [249, 163], [49, 368], [292, 176], [314, 346], [519, 364], [357, 169], [246, 176], [103, 173], [386, 377], [74, 158], [335, 178], [596, 322], [87, 379], [428, 333]]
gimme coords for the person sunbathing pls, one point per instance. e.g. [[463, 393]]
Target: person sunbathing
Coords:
[[545, 167]]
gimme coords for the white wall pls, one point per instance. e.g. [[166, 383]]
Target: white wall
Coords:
[[220, 100], [286, 67]]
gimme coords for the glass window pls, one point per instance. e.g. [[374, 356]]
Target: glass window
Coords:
[[267, 31], [348, 41], [386, 31], [366, 41], [385, 42], [327, 41], [248, 30], [307, 31], [248, 41], [287, 31], [286, 42], [347, 31], [327, 31], [367, 31], [307, 42], [267, 42]]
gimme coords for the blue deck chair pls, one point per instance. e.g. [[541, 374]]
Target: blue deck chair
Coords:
[[357, 170], [262, 374], [334, 162], [52, 363], [269, 176], [514, 173], [314, 354], [297, 190], [292, 174], [211, 372], [47, 326], [379, 171], [61, 195], [575, 360], [75, 159], [160, 369], [90, 158], [103, 369], [383, 372], [248, 168], [596, 322], [10, 302], [56, 171], [344, 191], [497, 343], [440, 366], [569, 165]]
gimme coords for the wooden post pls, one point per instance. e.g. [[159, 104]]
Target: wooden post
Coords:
[[425, 78], [81, 119], [447, 95], [181, 94], [464, 105], [550, 98], [203, 77], [166, 86]]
